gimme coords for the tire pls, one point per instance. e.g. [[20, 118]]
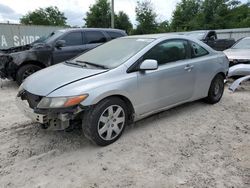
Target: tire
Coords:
[[25, 71], [103, 127], [216, 90]]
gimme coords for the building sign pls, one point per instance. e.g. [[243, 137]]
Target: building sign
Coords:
[[17, 40], [17, 35]]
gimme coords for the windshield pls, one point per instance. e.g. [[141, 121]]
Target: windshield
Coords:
[[242, 44], [48, 38], [197, 35], [54, 35], [114, 53]]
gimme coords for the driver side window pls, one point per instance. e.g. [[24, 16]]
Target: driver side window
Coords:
[[73, 39], [168, 51]]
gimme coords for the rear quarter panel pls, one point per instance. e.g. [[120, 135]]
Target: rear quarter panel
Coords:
[[211, 65]]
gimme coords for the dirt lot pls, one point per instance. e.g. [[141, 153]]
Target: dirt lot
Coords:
[[194, 145]]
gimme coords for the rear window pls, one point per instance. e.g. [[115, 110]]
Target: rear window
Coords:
[[197, 50], [94, 37], [114, 35]]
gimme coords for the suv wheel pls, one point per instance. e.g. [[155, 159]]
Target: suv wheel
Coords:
[[216, 90], [104, 123], [25, 71]]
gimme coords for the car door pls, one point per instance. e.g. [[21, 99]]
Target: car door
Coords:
[[173, 81], [73, 46], [203, 63], [93, 39]]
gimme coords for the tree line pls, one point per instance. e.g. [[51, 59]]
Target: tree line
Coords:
[[188, 15]]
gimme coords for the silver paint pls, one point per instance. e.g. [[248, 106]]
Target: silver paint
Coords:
[[148, 91]]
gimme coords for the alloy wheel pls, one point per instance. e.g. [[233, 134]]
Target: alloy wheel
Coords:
[[111, 122]]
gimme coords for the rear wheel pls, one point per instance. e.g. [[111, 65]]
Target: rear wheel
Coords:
[[216, 90], [104, 123], [25, 71]]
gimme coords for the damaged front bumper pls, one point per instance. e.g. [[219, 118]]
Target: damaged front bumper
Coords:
[[5, 61], [55, 119]]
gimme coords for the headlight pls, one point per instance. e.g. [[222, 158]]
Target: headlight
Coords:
[[61, 102]]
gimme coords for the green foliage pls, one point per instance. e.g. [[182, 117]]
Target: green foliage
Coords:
[[163, 27], [122, 22], [184, 14], [210, 14], [47, 16], [188, 15], [146, 18], [99, 15], [239, 17]]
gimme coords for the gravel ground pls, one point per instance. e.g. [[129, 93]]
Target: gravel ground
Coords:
[[193, 145]]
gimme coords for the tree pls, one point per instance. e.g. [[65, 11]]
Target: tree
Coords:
[[210, 14], [146, 18], [239, 16], [44, 16], [163, 27], [122, 22], [214, 14], [99, 15], [184, 15]]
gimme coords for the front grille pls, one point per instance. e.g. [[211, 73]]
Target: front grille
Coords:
[[32, 99]]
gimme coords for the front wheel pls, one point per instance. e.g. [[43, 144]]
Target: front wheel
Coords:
[[25, 71], [216, 90], [104, 123]]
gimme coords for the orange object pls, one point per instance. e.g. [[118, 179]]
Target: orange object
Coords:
[[75, 100]]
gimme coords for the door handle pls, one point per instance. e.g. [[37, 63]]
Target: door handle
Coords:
[[188, 67]]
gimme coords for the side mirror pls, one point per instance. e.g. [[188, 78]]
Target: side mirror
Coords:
[[60, 43], [149, 64]]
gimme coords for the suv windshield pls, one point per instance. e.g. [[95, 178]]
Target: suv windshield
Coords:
[[49, 38], [54, 35], [114, 53], [242, 44]]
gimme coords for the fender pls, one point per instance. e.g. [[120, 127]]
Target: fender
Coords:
[[94, 99]]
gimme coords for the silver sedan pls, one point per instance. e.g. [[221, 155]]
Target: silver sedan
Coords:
[[239, 53], [123, 81]]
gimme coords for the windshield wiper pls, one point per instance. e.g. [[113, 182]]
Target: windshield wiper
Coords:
[[74, 63], [93, 64]]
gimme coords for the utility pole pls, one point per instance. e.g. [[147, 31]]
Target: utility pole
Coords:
[[112, 14]]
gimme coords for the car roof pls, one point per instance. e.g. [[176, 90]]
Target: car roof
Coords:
[[92, 29], [158, 36]]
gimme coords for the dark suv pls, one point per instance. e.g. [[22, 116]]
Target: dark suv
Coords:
[[20, 62]]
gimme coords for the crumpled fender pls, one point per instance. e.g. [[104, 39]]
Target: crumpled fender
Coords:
[[237, 82], [239, 70], [5, 59]]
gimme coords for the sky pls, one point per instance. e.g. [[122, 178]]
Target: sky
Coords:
[[75, 10]]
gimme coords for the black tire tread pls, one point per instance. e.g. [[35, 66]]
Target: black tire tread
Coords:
[[21, 70], [210, 99]]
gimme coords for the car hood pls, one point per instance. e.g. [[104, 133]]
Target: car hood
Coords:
[[237, 54], [52, 78]]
